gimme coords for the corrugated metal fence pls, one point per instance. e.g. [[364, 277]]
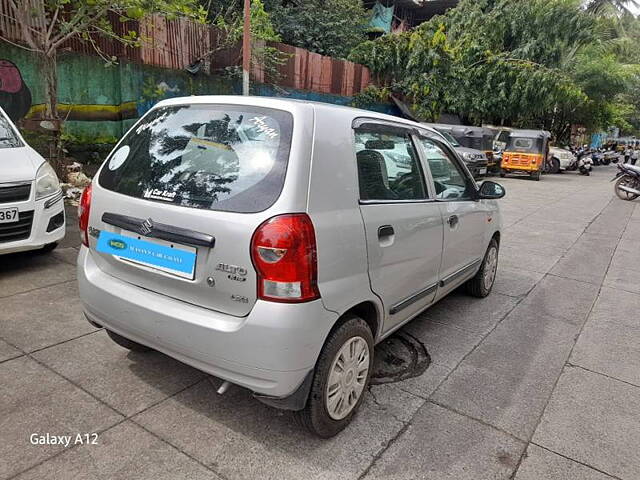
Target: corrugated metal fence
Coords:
[[176, 44]]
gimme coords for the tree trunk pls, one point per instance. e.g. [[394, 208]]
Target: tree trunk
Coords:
[[51, 116], [50, 72]]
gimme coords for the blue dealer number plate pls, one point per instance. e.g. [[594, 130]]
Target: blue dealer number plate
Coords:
[[178, 260]]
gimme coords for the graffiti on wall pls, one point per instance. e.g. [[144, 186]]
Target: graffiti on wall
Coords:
[[15, 96]]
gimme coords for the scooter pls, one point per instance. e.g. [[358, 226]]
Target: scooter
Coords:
[[609, 156], [597, 156], [585, 165], [627, 180], [584, 162]]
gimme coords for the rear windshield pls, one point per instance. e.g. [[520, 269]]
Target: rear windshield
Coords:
[[524, 145], [8, 137], [216, 157]]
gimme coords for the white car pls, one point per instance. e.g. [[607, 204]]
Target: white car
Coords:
[[31, 205], [564, 158]]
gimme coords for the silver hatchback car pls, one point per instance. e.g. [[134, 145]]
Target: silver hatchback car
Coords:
[[272, 243]]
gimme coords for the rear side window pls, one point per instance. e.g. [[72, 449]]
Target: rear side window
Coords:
[[388, 166], [217, 157]]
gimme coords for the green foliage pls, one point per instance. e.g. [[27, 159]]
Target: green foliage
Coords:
[[611, 7], [231, 22], [329, 27], [534, 63], [87, 140], [371, 95], [46, 25], [59, 20]]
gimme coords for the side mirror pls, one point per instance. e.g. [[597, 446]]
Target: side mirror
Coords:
[[491, 190]]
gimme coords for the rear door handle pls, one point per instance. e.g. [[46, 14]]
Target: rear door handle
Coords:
[[385, 231], [453, 220]]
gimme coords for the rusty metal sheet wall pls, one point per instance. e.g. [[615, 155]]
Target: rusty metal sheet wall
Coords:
[[173, 43]]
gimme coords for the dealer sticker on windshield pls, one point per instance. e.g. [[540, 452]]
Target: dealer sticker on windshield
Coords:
[[178, 260]]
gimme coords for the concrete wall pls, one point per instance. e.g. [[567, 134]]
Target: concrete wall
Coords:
[[100, 101]]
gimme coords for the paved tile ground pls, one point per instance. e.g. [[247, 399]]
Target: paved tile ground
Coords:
[[540, 381]]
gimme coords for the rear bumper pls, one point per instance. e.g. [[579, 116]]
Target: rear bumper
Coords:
[[44, 211], [269, 352], [521, 168]]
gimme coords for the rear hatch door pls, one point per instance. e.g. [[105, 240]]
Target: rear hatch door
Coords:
[[177, 202]]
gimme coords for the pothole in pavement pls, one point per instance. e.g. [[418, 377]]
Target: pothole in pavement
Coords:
[[398, 358]]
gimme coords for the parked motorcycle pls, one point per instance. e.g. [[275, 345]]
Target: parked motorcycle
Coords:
[[582, 162], [597, 156], [497, 156], [627, 180], [610, 156]]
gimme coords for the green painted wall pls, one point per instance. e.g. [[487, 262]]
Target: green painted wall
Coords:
[[87, 83], [125, 91]]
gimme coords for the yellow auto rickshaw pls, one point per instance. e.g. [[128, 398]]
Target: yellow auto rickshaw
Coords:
[[526, 152]]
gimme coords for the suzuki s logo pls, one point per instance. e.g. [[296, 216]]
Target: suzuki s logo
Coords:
[[146, 227], [117, 244]]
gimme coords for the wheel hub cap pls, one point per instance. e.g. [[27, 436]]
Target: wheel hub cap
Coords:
[[490, 268], [347, 377]]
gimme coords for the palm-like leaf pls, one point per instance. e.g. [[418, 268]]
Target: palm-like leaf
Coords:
[[612, 6]]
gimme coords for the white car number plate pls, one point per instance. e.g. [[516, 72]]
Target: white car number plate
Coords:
[[483, 171], [9, 215]]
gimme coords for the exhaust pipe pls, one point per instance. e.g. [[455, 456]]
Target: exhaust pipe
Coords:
[[223, 388], [629, 190]]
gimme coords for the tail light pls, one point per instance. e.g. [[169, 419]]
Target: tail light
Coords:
[[83, 214], [283, 250]]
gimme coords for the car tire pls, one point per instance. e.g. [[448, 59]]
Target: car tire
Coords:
[[320, 416], [128, 344], [536, 176], [555, 166], [481, 285]]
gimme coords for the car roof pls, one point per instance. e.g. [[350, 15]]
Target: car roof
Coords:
[[287, 104], [465, 128]]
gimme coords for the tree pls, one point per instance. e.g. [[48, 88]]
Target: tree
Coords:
[[230, 21], [45, 26], [535, 63], [329, 27], [616, 7]]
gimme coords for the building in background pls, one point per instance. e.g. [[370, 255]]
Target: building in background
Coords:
[[394, 16]]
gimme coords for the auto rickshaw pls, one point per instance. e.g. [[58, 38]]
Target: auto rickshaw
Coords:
[[526, 152], [481, 138], [478, 138]]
